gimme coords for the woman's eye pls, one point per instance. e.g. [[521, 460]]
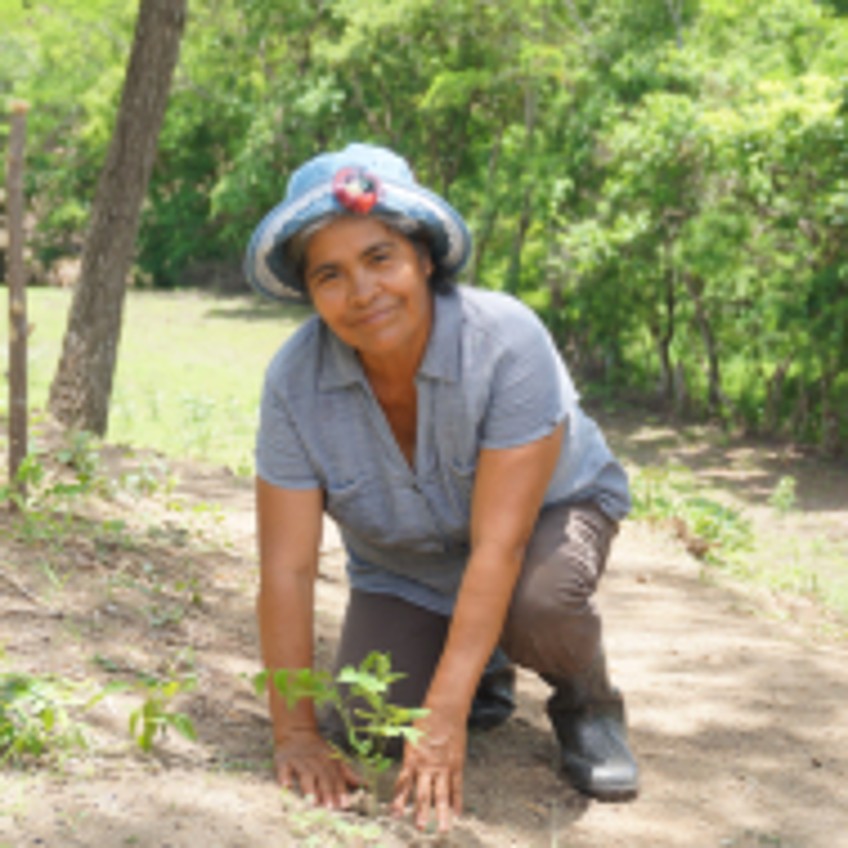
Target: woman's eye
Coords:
[[325, 277]]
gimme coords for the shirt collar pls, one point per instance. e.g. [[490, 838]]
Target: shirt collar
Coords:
[[441, 359], [340, 366]]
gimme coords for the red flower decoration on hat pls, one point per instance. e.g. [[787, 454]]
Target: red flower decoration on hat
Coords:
[[356, 190]]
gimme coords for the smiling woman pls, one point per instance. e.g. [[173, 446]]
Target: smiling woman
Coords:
[[477, 502]]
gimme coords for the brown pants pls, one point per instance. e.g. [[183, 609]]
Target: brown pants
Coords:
[[552, 626]]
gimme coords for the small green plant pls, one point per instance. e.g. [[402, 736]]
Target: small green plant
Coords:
[[169, 603], [784, 497], [29, 476], [80, 453], [35, 502], [359, 697], [318, 827], [155, 716], [43, 513], [37, 716], [199, 422], [150, 477]]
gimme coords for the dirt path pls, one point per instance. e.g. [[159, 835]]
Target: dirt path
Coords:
[[739, 719]]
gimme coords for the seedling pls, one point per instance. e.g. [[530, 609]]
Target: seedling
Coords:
[[80, 454], [155, 717], [359, 697], [43, 512], [784, 498], [36, 716]]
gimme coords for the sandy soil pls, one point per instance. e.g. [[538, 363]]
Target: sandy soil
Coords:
[[738, 697]]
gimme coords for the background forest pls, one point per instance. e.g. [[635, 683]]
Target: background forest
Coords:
[[665, 181]]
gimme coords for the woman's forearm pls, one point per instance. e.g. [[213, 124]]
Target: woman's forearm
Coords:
[[475, 628], [284, 610], [508, 495]]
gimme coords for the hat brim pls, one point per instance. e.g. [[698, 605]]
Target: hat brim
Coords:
[[271, 273]]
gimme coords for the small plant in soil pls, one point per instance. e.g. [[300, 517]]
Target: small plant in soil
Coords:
[[37, 716], [155, 716], [359, 696], [44, 511], [784, 498]]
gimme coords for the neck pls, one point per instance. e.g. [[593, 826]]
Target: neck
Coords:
[[391, 371], [398, 368]]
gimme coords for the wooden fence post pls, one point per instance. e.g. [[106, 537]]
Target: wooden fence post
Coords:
[[16, 281]]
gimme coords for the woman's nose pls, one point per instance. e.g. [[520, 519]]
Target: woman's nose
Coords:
[[364, 285]]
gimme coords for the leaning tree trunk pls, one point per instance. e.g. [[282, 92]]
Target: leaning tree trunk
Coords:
[[82, 387]]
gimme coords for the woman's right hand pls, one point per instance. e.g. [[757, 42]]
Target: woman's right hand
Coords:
[[307, 760]]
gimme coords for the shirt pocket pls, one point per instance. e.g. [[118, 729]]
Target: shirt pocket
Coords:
[[349, 504], [385, 514]]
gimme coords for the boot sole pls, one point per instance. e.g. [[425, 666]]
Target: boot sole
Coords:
[[579, 776]]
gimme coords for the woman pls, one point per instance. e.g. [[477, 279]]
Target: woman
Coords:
[[439, 428]]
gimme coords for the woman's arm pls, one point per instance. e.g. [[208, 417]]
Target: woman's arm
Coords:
[[289, 533], [508, 493]]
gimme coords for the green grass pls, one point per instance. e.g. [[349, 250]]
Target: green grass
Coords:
[[189, 373], [779, 553]]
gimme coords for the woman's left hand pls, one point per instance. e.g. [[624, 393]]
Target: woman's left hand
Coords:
[[432, 770]]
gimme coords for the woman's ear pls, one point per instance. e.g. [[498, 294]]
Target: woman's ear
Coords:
[[427, 264], [424, 257]]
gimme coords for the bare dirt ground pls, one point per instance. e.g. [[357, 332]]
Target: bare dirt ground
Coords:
[[738, 696]]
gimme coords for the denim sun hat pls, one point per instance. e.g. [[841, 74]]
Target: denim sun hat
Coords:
[[358, 180]]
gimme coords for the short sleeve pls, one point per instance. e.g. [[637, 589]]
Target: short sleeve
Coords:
[[281, 458], [531, 391]]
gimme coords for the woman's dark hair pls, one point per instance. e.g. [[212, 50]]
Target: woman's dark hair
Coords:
[[439, 281]]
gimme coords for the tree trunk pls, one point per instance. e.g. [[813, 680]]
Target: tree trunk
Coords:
[[489, 215], [663, 333], [774, 394], [513, 275], [82, 386], [18, 407], [714, 394]]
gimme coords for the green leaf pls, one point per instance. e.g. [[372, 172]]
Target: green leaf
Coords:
[[183, 725], [260, 683], [363, 680]]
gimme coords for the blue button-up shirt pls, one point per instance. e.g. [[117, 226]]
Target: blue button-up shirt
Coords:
[[490, 378]]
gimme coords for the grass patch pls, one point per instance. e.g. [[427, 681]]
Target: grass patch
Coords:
[[189, 373], [711, 530], [779, 554], [37, 716]]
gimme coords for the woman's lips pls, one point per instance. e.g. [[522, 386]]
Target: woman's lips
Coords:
[[375, 316]]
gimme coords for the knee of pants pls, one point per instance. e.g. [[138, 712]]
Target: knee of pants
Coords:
[[549, 594], [552, 637], [562, 650], [549, 621]]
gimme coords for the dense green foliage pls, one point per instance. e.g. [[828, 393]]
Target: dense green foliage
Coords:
[[665, 181]]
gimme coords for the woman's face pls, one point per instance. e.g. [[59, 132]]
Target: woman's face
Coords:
[[369, 284]]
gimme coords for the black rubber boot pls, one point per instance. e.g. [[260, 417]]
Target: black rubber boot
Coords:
[[494, 700], [588, 716]]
